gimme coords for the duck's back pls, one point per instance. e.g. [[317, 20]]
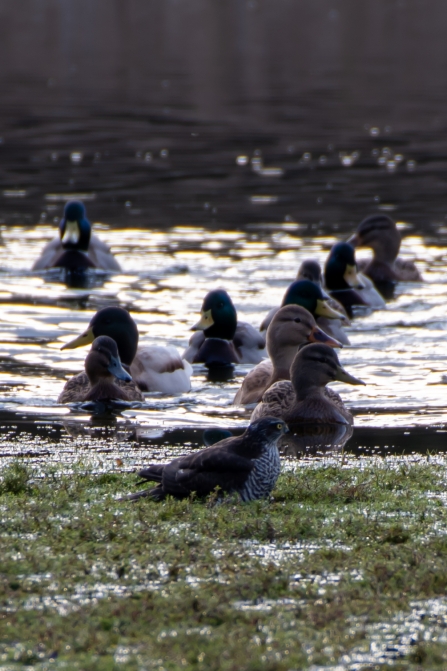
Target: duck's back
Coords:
[[98, 252], [77, 389], [162, 369], [275, 402], [101, 256], [249, 343], [254, 384], [280, 401]]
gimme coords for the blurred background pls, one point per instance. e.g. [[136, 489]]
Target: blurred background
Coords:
[[156, 110]]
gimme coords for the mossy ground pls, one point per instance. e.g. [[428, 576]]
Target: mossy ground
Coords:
[[336, 571]]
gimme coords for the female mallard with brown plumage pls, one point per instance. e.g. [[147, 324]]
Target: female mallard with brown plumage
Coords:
[[102, 367], [305, 398], [291, 327], [379, 232]]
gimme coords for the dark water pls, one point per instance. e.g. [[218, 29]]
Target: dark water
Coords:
[[219, 144]]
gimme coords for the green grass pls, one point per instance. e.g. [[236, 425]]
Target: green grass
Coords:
[[335, 560]]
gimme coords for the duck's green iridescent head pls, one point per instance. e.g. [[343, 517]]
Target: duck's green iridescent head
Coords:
[[219, 318], [74, 227], [311, 297], [116, 323], [340, 271]]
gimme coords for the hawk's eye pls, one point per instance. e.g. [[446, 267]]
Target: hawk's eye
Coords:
[[279, 426]]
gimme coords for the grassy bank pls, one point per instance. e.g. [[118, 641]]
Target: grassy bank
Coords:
[[344, 568]]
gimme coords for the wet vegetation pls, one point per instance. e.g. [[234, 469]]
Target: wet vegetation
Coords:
[[344, 565]]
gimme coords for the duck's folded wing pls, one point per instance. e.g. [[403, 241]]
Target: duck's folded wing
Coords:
[[275, 402], [161, 369], [195, 343], [75, 389], [249, 343], [49, 255], [254, 384], [101, 256]]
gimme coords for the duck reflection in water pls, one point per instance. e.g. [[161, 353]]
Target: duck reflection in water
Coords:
[[314, 439]]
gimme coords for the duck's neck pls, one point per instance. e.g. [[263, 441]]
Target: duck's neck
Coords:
[[224, 329], [387, 250], [305, 388], [95, 377], [282, 361], [334, 276]]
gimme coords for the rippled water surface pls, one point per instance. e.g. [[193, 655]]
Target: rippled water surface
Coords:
[[227, 168]]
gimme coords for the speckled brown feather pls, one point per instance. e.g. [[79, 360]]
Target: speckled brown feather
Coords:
[[77, 389], [280, 401]]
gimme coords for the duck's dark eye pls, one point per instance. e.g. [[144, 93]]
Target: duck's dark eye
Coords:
[[220, 305], [321, 359], [297, 320]]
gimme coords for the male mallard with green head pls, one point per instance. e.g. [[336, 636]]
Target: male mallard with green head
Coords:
[[76, 248], [222, 340]]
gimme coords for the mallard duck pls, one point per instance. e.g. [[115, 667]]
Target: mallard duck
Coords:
[[311, 270], [309, 295], [345, 284], [221, 339], [248, 464], [153, 368], [102, 366], [76, 248], [305, 398], [291, 327], [379, 232]]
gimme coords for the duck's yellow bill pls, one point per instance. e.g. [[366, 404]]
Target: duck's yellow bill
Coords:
[[350, 276], [82, 340], [344, 376], [205, 321], [323, 309]]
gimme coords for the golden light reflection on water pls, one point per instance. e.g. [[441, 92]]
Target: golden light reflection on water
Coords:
[[399, 352]]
